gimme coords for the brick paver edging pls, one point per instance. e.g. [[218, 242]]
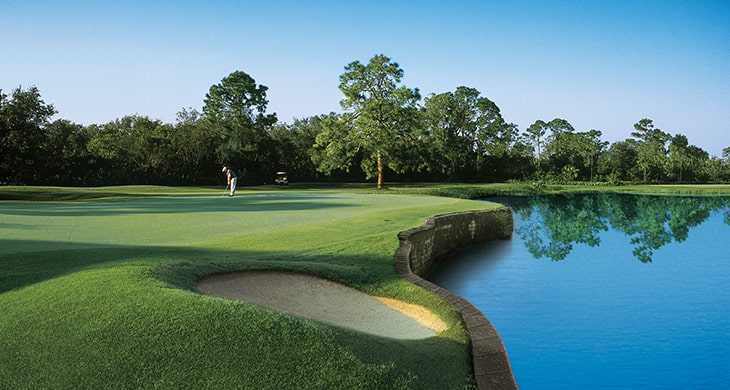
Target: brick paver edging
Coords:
[[423, 247]]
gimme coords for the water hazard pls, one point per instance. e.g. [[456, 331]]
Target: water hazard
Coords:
[[607, 291]]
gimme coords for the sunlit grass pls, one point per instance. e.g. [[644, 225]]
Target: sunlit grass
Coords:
[[99, 292]]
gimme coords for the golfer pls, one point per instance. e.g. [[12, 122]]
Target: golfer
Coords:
[[232, 179]]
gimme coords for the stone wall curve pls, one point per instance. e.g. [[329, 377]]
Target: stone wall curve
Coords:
[[420, 251]]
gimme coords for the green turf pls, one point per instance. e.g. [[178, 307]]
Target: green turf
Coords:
[[97, 286], [98, 290]]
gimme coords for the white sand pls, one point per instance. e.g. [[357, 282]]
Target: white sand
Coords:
[[323, 300]]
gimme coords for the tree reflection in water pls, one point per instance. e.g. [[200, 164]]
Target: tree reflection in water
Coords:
[[553, 224]]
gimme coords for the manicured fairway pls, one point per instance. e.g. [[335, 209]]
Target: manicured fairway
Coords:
[[100, 293]]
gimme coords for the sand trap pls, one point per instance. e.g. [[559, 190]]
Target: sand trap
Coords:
[[323, 300]]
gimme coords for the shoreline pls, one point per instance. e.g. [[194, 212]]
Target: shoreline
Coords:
[[421, 250]]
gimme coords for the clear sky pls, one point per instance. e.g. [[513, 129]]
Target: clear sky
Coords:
[[602, 64]]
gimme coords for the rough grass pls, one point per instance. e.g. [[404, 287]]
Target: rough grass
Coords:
[[99, 292]]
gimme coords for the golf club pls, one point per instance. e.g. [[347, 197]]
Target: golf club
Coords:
[[224, 192]]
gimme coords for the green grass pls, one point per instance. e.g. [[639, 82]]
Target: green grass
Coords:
[[97, 289], [97, 285]]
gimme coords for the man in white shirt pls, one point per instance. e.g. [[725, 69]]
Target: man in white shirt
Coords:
[[232, 179]]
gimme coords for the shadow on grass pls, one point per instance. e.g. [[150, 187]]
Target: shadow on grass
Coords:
[[175, 265], [451, 358]]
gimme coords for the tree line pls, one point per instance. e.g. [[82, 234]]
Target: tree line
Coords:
[[385, 130]]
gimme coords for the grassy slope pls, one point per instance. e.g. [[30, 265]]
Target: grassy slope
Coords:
[[100, 293]]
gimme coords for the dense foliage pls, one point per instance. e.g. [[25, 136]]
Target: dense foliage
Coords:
[[384, 131]]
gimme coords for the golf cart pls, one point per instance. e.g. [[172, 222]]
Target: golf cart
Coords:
[[281, 179]]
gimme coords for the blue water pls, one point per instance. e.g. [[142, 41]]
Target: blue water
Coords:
[[607, 292]]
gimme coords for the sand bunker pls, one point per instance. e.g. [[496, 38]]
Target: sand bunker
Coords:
[[323, 300]]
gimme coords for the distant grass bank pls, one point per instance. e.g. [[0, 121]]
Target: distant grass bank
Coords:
[[475, 191]]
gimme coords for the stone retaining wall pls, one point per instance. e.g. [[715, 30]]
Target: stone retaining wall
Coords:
[[421, 249]]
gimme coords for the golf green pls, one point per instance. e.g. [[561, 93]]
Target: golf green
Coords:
[[102, 293]]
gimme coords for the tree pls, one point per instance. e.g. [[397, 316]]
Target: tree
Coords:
[[575, 152], [678, 154], [619, 161], [379, 122], [194, 148], [23, 118], [236, 111], [494, 136], [595, 148], [506, 153], [294, 146], [561, 148], [536, 136], [716, 170], [696, 159], [449, 121], [136, 149], [521, 162], [651, 148], [65, 154], [463, 128]]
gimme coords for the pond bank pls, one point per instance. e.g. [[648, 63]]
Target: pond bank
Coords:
[[420, 251]]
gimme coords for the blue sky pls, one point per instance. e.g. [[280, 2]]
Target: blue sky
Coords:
[[601, 65]]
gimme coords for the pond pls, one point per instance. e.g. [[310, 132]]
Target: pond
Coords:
[[607, 291]]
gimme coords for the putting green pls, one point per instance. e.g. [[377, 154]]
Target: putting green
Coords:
[[180, 219]]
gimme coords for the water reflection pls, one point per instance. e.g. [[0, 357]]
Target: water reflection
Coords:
[[553, 224]]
